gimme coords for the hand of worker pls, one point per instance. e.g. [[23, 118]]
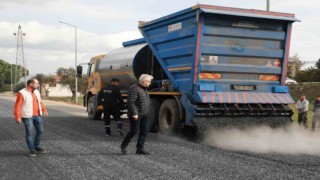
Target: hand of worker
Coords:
[[135, 117], [18, 121], [45, 114], [100, 107]]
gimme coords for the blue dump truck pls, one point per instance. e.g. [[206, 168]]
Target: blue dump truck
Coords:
[[212, 66]]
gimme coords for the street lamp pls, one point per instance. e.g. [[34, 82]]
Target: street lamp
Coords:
[[75, 55], [268, 5], [11, 78]]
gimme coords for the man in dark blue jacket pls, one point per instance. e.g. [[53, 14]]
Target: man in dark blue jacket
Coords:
[[112, 104], [138, 110]]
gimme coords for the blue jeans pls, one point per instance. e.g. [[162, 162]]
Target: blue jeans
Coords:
[[35, 121], [142, 125]]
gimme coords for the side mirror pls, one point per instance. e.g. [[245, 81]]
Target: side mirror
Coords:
[[79, 71]]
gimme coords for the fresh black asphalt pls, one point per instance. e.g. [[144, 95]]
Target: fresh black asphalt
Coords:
[[78, 149]]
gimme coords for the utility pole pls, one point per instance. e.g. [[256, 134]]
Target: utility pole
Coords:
[[11, 78], [268, 5], [20, 56]]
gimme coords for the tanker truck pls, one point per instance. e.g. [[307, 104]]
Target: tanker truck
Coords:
[[212, 66]]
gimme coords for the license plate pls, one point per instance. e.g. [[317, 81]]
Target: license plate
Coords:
[[244, 88]]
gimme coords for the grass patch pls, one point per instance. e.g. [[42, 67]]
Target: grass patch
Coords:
[[311, 90], [295, 115]]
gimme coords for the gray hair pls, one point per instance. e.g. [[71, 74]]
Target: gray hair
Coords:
[[144, 77]]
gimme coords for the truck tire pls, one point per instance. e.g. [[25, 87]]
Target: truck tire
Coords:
[[92, 109], [169, 116], [154, 115]]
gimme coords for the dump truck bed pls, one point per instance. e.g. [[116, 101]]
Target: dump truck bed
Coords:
[[225, 61], [224, 55]]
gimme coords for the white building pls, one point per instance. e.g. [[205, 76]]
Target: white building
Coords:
[[58, 90]]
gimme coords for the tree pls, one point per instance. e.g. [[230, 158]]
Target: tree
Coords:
[[46, 81], [308, 75], [5, 75], [18, 87], [311, 74], [318, 64], [68, 79], [82, 85], [294, 65]]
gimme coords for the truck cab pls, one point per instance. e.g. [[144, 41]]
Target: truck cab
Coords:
[[94, 84]]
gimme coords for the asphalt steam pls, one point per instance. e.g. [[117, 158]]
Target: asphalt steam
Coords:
[[290, 140]]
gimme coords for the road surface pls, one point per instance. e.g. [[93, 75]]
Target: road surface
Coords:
[[78, 149]]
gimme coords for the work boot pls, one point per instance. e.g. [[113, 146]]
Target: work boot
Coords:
[[123, 149], [142, 152], [32, 153], [39, 150], [121, 132]]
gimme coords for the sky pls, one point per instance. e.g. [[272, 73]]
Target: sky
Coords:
[[102, 26]]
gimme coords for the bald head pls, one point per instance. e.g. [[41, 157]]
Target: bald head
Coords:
[[33, 83]]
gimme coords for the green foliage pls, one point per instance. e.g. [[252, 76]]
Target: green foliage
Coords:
[[68, 79], [310, 90], [5, 75], [5, 72], [19, 86], [309, 75], [46, 81], [5, 87], [318, 64], [82, 85]]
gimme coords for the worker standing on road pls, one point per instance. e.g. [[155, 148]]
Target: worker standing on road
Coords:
[[303, 106], [112, 104], [29, 109], [138, 111], [316, 115]]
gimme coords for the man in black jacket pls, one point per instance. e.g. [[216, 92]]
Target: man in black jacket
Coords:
[[138, 110], [112, 103]]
